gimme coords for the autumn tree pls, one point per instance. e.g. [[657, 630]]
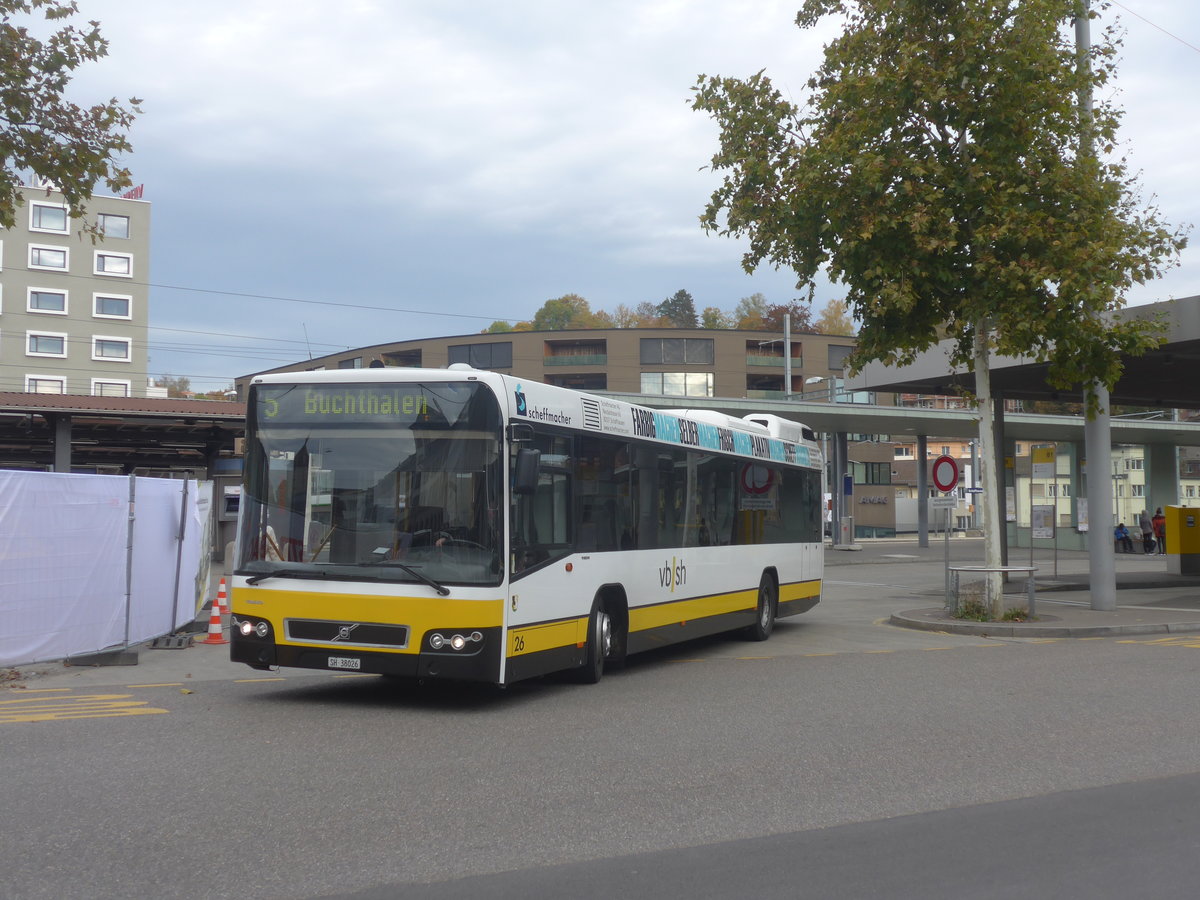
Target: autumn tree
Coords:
[[561, 313], [73, 147], [799, 311], [176, 385], [679, 310], [624, 317], [941, 169], [834, 319], [750, 313], [647, 315], [500, 326]]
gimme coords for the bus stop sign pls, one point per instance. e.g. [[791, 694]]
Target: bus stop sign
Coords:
[[945, 473]]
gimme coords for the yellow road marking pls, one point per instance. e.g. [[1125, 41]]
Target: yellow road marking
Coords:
[[45, 690], [89, 706], [161, 684], [255, 680]]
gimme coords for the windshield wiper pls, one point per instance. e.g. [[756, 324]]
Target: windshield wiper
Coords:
[[414, 572], [283, 573]]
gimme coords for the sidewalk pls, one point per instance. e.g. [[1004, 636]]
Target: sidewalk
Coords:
[[1149, 599]]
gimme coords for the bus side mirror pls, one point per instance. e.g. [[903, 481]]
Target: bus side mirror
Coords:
[[528, 461], [520, 431]]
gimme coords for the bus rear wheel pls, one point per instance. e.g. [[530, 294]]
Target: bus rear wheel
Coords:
[[764, 613]]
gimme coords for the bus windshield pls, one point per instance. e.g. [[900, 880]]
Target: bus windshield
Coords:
[[396, 482]]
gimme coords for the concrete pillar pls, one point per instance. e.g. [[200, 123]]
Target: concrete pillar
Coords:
[[62, 443], [1101, 565], [922, 491], [1162, 477]]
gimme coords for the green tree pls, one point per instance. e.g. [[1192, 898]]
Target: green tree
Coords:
[[834, 319], [73, 147], [712, 317], [500, 326], [679, 310], [943, 171]]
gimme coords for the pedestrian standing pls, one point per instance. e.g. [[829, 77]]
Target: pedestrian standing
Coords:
[[1147, 531], [1159, 523]]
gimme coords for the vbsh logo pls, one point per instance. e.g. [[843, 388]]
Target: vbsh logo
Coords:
[[522, 409], [672, 574]]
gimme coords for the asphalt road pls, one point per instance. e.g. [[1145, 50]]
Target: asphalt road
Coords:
[[844, 757]]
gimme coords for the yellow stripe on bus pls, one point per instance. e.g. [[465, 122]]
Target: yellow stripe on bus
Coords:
[[799, 590], [685, 610], [547, 636]]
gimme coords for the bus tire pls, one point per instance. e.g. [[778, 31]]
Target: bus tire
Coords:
[[764, 613], [599, 643]]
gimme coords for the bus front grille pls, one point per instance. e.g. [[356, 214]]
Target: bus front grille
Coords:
[[349, 634]]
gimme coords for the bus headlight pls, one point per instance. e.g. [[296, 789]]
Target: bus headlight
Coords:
[[260, 628], [457, 642]]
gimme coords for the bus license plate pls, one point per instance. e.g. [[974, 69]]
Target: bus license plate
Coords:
[[344, 662]]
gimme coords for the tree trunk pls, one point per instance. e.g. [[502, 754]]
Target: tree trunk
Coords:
[[989, 472]]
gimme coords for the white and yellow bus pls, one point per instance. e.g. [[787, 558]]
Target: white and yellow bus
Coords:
[[462, 524]]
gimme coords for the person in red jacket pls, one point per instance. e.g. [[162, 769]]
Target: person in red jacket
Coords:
[[1159, 523]]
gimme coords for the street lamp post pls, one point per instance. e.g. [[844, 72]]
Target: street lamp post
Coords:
[[830, 473]]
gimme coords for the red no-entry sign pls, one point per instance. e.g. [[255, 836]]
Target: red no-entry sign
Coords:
[[945, 473]]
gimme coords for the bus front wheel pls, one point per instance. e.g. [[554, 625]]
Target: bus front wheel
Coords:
[[599, 645], [764, 614]]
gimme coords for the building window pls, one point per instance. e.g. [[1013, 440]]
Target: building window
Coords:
[[48, 217], [112, 306], [904, 452], [119, 265], [56, 259], [945, 450], [1191, 490], [113, 226], [581, 382], [1134, 465], [111, 348], [1137, 490], [837, 357], [409, 359], [355, 363], [872, 472], [45, 384], [101, 388], [678, 384], [43, 301], [42, 344], [482, 356], [674, 351]]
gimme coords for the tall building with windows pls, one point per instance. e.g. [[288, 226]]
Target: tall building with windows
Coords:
[[73, 311], [691, 363]]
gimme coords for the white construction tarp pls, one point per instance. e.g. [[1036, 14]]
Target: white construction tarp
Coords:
[[76, 578]]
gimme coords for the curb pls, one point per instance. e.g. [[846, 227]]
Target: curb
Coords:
[[1049, 626]]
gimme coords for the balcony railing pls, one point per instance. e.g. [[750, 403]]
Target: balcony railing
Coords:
[[772, 361], [579, 359]]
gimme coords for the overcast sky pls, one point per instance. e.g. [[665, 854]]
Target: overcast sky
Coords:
[[421, 169]]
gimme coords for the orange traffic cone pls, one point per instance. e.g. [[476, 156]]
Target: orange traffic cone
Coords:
[[216, 634], [221, 594]]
